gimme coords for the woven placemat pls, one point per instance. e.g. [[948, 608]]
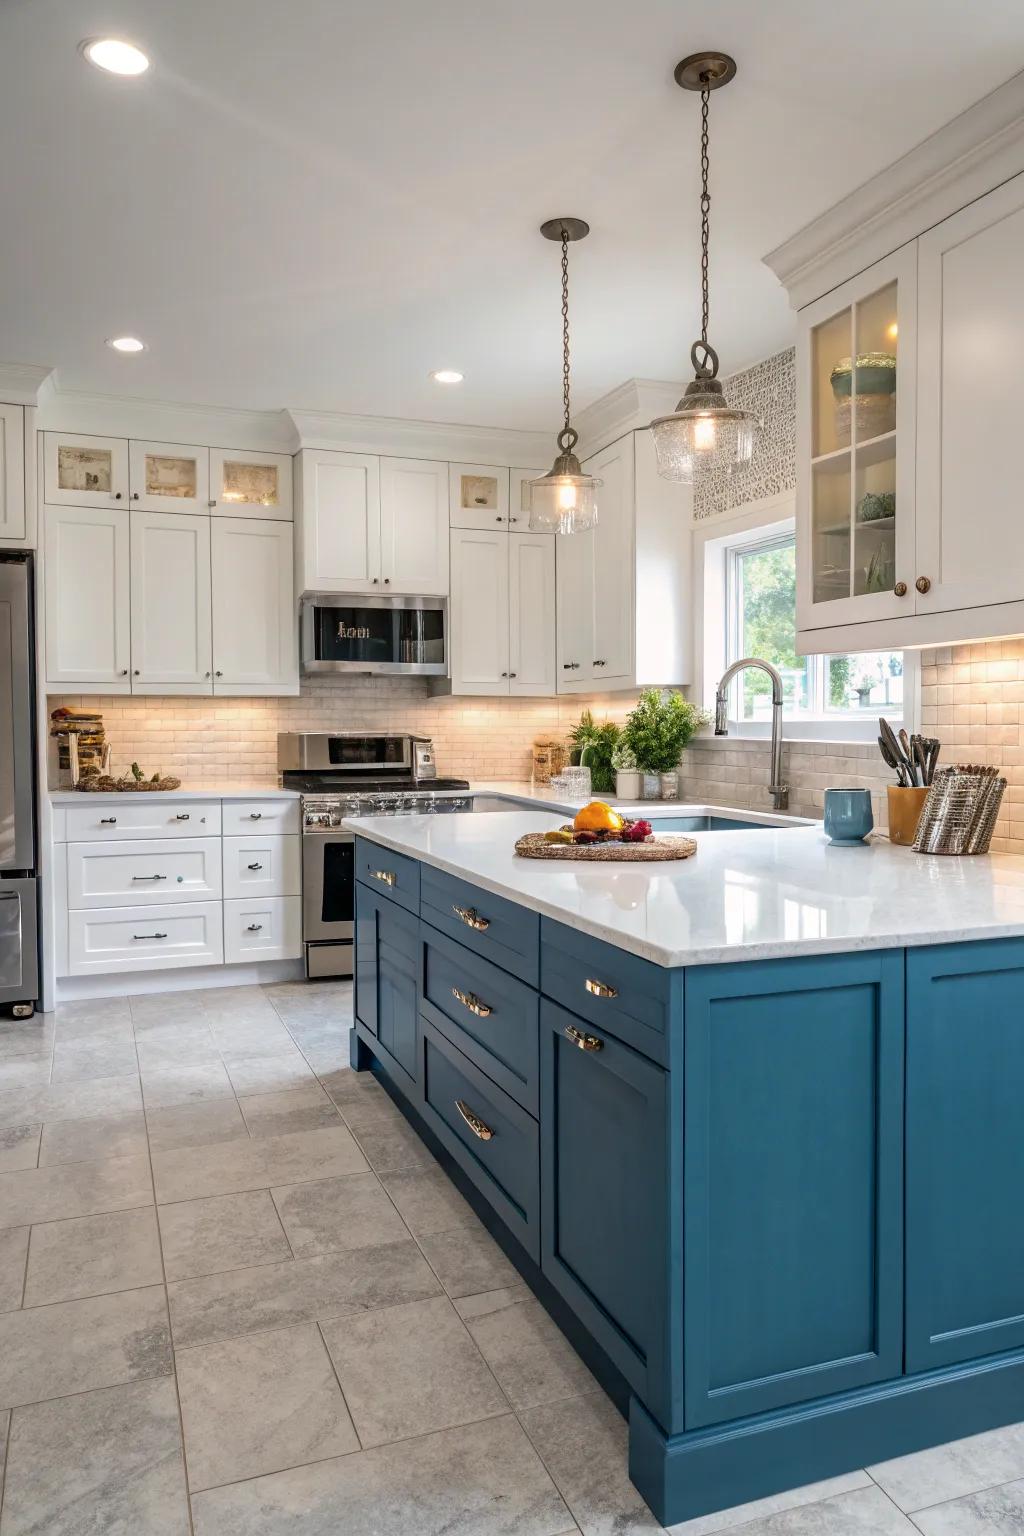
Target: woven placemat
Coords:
[[668, 846]]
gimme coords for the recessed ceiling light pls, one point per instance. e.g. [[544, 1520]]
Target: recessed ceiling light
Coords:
[[115, 56], [126, 344], [446, 376]]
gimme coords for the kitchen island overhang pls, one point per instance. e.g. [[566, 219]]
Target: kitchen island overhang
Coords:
[[771, 1188]]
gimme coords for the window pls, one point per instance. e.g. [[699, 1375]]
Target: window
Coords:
[[761, 621]]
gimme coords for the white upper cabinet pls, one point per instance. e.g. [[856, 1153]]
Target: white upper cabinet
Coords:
[[339, 522], [13, 519], [624, 604], [531, 614], [245, 484], [970, 543], [169, 477], [84, 471], [478, 612], [856, 361], [86, 598], [414, 526], [478, 496], [170, 604], [255, 627], [574, 652]]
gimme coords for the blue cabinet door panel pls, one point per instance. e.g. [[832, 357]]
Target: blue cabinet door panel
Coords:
[[793, 1180], [387, 980], [490, 1136], [604, 1173], [392, 874], [487, 1013], [616, 991], [501, 931], [965, 1151]]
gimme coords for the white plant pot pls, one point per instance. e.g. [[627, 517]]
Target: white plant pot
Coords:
[[627, 785]]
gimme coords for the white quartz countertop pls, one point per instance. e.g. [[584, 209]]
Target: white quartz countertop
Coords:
[[226, 792], [748, 895]]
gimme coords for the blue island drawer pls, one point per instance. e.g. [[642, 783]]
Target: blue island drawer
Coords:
[[392, 874], [494, 1141], [617, 991], [489, 1015], [497, 929]]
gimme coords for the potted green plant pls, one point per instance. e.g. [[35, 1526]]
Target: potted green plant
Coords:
[[592, 747], [657, 730], [627, 774]]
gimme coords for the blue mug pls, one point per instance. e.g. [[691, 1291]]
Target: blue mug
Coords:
[[848, 818]]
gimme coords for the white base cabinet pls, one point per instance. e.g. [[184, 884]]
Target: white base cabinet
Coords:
[[142, 894], [502, 613], [262, 928], [145, 939]]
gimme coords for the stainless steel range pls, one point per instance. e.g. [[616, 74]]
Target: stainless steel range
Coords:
[[352, 774]]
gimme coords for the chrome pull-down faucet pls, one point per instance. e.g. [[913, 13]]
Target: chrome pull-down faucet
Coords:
[[779, 791]]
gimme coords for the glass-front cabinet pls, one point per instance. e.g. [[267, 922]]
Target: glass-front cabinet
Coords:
[[855, 449]]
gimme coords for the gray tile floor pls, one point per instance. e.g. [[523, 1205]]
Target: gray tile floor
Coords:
[[238, 1296]]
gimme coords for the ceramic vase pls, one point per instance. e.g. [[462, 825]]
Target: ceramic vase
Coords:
[[627, 785], [652, 786]]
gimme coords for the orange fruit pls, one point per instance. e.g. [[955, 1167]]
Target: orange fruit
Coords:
[[598, 817]]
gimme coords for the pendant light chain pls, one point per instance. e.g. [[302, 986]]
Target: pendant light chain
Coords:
[[705, 211], [565, 328]]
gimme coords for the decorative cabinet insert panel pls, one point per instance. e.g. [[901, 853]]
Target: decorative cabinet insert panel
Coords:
[[478, 496], [246, 484], [84, 471], [169, 477]]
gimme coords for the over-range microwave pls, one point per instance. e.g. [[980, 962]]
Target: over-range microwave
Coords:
[[342, 633]]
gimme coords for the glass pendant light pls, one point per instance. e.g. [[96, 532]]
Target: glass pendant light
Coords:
[[703, 433], [565, 499]]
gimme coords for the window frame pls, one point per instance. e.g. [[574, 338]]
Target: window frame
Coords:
[[720, 542]]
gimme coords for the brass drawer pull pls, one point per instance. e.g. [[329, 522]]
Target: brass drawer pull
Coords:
[[385, 875], [472, 1002], [474, 1122], [600, 988], [585, 1042], [472, 919]]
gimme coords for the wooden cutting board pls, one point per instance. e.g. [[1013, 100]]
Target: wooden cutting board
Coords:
[[669, 845]]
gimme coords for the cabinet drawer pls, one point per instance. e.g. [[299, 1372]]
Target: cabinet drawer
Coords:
[[143, 873], [147, 939], [263, 928], [107, 822], [497, 929], [392, 874], [259, 865], [489, 1015], [617, 991], [491, 1138], [271, 816]]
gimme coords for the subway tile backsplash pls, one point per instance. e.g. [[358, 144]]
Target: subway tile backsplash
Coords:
[[972, 698], [217, 741]]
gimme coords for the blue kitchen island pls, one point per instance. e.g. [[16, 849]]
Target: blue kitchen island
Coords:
[[751, 1122]]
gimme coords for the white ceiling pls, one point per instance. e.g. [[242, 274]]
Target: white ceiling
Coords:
[[315, 203]]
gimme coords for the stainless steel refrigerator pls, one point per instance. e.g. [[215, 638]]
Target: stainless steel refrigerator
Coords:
[[19, 897]]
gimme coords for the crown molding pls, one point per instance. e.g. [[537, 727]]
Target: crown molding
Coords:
[[21, 383], [623, 409], [420, 439], [69, 410], [958, 163]]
